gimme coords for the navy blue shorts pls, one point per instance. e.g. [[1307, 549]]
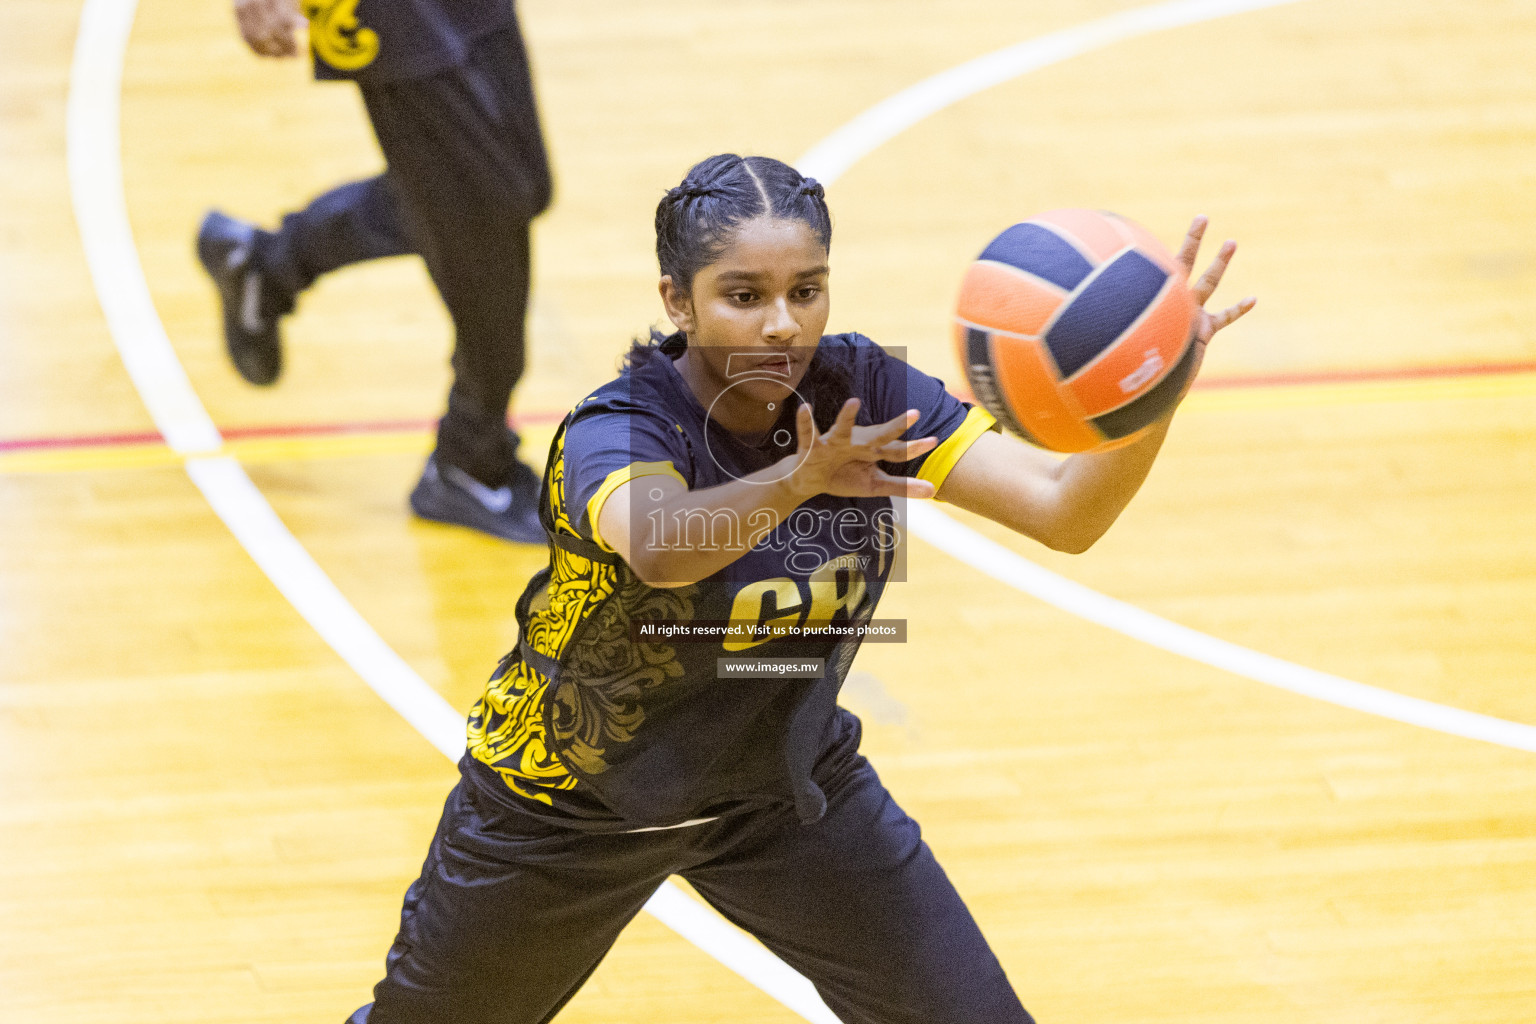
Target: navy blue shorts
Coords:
[[511, 915]]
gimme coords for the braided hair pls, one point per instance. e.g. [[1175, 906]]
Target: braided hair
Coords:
[[694, 224], [694, 220]]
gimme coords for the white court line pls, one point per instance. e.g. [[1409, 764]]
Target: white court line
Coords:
[[95, 174], [830, 158], [1001, 563], [300, 579], [96, 187]]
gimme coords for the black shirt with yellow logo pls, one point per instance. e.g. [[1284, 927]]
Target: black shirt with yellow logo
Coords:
[[623, 705], [376, 41]]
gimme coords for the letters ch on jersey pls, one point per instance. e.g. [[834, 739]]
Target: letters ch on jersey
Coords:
[[779, 603]]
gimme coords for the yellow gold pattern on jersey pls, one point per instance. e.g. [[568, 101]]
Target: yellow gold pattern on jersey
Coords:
[[517, 725]]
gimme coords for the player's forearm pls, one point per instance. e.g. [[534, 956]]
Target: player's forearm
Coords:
[[1093, 488], [1066, 505], [695, 534]]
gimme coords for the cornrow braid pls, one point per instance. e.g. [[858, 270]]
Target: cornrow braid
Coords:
[[695, 219]]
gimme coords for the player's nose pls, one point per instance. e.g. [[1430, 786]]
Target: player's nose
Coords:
[[779, 323]]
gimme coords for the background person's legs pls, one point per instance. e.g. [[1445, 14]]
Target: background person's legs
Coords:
[[466, 155], [351, 223], [260, 274], [467, 173]]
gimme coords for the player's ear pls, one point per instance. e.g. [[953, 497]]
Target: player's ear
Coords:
[[679, 304]]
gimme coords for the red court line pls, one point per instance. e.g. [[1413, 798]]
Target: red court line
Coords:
[[249, 433], [550, 416], [1281, 380], [327, 429], [83, 441], [1356, 376]]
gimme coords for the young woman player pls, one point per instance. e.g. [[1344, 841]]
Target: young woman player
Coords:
[[725, 505]]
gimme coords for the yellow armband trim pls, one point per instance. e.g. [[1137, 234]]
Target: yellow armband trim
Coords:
[[943, 458], [618, 478]]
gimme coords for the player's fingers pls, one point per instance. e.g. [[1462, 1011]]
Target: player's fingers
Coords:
[[1203, 288], [1232, 314], [875, 439], [842, 427], [888, 486], [906, 451], [896, 424], [805, 428], [1191, 245], [1204, 327], [892, 429]]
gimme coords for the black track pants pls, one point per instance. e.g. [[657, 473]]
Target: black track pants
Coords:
[[510, 915]]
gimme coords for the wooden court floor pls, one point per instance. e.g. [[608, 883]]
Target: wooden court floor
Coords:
[[207, 816]]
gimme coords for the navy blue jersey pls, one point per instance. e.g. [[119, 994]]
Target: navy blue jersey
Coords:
[[375, 41], [602, 714]]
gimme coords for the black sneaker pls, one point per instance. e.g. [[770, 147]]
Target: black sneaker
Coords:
[[225, 247], [447, 494]]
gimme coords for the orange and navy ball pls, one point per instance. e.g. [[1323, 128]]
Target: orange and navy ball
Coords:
[[1074, 329]]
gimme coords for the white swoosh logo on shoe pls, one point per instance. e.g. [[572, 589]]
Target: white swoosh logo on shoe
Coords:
[[495, 499], [250, 305]]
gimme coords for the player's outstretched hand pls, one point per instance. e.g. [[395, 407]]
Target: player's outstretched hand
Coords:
[[270, 27], [1206, 322], [845, 460]]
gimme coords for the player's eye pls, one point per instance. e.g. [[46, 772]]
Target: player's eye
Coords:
[[807, 293], [742, 298]]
